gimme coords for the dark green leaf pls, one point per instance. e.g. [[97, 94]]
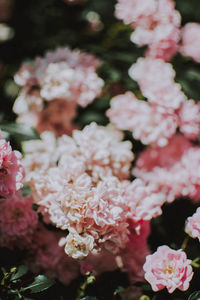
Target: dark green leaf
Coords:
[[21, 271], [40, 284], [194, 296], [21, 132]]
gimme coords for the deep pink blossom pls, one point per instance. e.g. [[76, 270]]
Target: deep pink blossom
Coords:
[[11, 169], [174, 169], [168, 268], [45, 256], [191, 41], [18, 221]]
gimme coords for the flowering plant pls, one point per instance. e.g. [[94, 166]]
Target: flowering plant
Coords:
[[100, 149]]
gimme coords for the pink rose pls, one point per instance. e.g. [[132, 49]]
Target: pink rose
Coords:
[[168, 268]]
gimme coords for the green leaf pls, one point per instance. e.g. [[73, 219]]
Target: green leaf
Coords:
[[194, 296], [21, 132], [21, 271], [40, 284]]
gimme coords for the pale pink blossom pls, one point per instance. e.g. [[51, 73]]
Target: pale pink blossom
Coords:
[[156, 24], [150, 124], [46, 257], [156, 81], [18, 221], [189, 119], [77, 246], [147, 200], [193, 225], [168, 268], [11, 169], [173, 169], [136, 12], [191, 41], [53, 87], [96, 150], [63, 74], [95, 215]]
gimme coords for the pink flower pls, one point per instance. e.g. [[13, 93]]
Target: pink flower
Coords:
[[133, 256], [48, 258], [156, 24], [150, 124], [191, 41], [193, 225], [189, 119], [53, 87], [156, 81], [97, 150], [168, 268], [11, 170], [173, 169], [135, 12], [18, 221]]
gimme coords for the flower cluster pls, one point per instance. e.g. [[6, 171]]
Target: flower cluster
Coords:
[[173, 168], [53, 87], [156, 24], [167, 107], [77, 183]]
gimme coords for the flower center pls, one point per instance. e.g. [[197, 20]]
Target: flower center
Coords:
[[168, 270]]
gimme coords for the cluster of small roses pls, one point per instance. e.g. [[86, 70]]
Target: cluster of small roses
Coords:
[[167, 107], [53, 87], [158, 25], [80, 184]]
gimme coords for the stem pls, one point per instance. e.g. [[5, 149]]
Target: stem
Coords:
[[185, 243]]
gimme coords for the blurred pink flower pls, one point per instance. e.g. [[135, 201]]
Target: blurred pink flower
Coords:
[[136, 12], [53, 87], [150, 124], [11, 169], [18, 221], [48, 258], [156, 81], [156, 24], [173, 169], [189, 119], [193, 225], [191, 41], [168, 268]]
